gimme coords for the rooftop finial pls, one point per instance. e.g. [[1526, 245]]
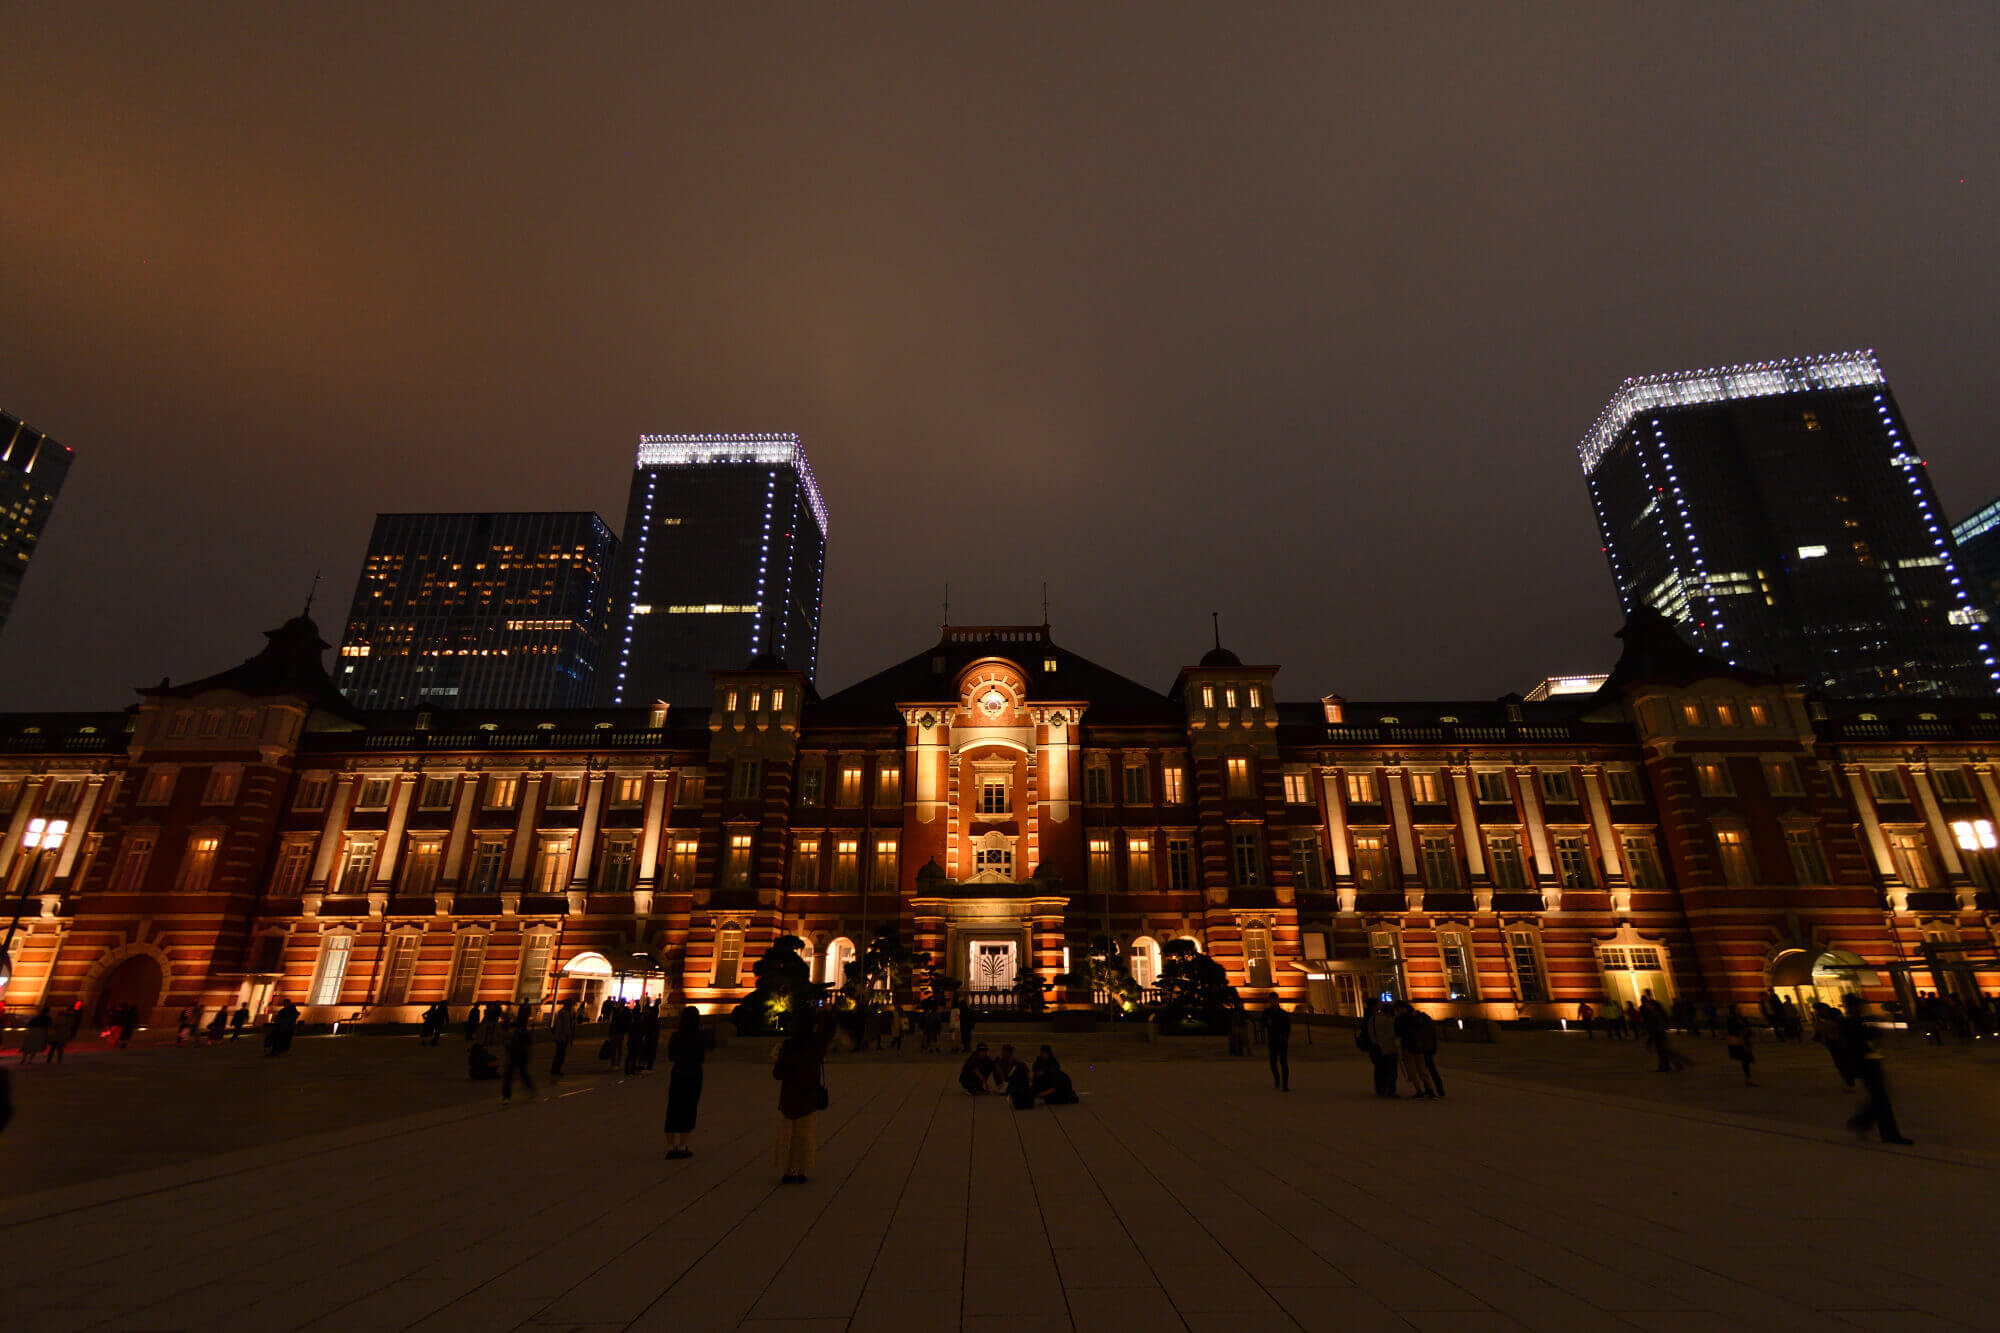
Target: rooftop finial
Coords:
[[947, 606], [1045, 603], [1215, 620], [311, 593]]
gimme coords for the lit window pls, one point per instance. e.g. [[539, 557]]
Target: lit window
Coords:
[[1974, 835], [1760, 716], [1913, 860], [198, 864], [552, 865], [680, 864], [468, 957], [1229, 696], [728, 955], [1173, 784], [1239, 777], [888, 785], [1256, 697], [846, 865], [1458, 973], [1371, 861], [1503, 854], [850, 784], [1257, 954], [756, 701], [777, 698], [500, 792], [885, 864], [1781, 776], [1208, 696], [532, 976], [331, 969], [691, 789], [420, 866], [1099, 868], [805, 863], [1734, 850], [1691, 713], [1712, 775], [992, 796], [1298, 788], [1725, 713], [1424, 788], [159, 787], [1139, 864], [736, 873]]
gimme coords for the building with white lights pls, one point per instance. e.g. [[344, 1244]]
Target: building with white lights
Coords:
[[1781, 517], [478, 611], [724, 560], [1978, 539], [32, 469], [1687, 828]]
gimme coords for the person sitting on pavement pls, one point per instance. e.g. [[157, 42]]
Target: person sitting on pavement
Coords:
[[1049, 1081], [1003, 1068], [976, 1071], [1021, 1088]]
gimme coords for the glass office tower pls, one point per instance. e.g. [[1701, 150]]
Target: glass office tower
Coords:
[[1978, 539], [479, 611], [32, 469], [724, 558], [1780, 515]]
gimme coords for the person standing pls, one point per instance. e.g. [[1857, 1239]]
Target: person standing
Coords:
[[62, 1031], [1407, 1016], [1278, 1041], [472, 1022], [614, 1040], [1739, 1044], [1417, 1033], [239, 1020], [190, 1026], [1587, 1016], [1379, 1025], [1867, 1064], [278, 1039], [563, 1030], [218, 1024], [520, 1044], [1653, 1015], [967, 1020], [801, 1092], [685, 1053]]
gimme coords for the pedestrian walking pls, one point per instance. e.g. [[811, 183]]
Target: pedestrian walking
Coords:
[[190, 1026], [613, 1051], [1416, 1032], [1867, 1063], [1378, 1038], [933, 1026], [1629, 1020], [800, 1071], [239, 1020], [1278, 1041], [1739, 1044], [1828, 1032], [62, 1030], [1653, 1017], [1587, 1016], [520, 1045], [219, 1024], [685, 1052], [279, 1031], [472, 1023], [563, 1031], [35, 1039]]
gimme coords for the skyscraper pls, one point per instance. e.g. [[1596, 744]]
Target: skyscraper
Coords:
[[724, 558], [479, 611], [32, 468], [1978, 539], [1780, 515]]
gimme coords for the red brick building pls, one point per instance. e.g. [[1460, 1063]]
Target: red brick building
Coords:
[[1687, 829]]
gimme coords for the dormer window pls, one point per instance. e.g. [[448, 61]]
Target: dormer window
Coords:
[[777, 698], [1229, 696], [729, 702], [1048, 665], [1208, 696], [1256, 697]]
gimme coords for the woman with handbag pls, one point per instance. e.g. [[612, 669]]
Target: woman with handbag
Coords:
[[800, 1071]]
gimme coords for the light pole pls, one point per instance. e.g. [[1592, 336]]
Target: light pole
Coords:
[[41, 837]]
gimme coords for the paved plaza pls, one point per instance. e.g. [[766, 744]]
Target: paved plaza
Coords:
[[363, 1183]]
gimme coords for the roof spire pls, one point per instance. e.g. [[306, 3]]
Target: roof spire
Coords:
[[1045, 603], [1215, 621], [947, 606], [311, 593]]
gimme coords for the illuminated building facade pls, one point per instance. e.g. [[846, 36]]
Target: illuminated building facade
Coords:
[[1978, 539], [1779, 514], [479, 611], [724, 560], [1688, 828], [32, 469]]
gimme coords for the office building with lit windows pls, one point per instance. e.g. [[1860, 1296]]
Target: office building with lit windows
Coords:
[[1978, 539], [724, 560], [478, 611], [1779, 514], [32, 469]]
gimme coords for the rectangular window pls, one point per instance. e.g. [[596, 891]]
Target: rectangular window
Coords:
[[1097, 783], [1424, 787], [565, 793], [1886, 784], [1173, 784], [401, 967], [1361, 789], [132, 865], [1458, 974], [1913, 860], [552, 866], [357, 864], [846, 865], [1099, 868], [885, 864], [158, 789], [1712, 776], [1527, 967], [1387, 951], [1307, 868], [331, 970], [1725, 713], [888, 786], [749, 779], [850, 785], [729, 706], [691, 790], [222, 785], [1371, 861], [1490, 785], [1247, 856], [615, 868], [1781, 777], [1642, 862], [1691, 713], [1208, 696], [777, 698], [1180, 864], [1808, 861], [1732, 847], [1298, 787], [420, 866], [1760, 716], [467, 958], [500, 792], [1503, 854], [288, 878], [489, 865], [1138, 864], [1136, 792], [756, 701], [627, 790], [61, 797], [1556, 785], [1257, 955], [805, 863], [198, 863], [312, 792], [244, 724], [1239, 778], [680, 865], [1256, 698], [436, 793], [532, 978], [374, 794], [10, 794], [1440, 861], [728, 955], [1229, 696], [993, 796], [1951, 784], [1573, 861], [1973, 835], [1624, 785], [812, 784]]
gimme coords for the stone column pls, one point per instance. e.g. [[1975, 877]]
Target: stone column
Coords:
[[1529, 782], [1396, 799], [586, 836], [79, 826], [1954, 865], [329, 834], [392, 840], [1878, 845]]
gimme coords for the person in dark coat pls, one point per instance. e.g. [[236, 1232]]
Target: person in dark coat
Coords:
[[1739, 1044], [614, 1040], [1378, 1037], [1417, 1032], [1050, 1083], [472, 1022], [62, 1030], [239, 1020], [1867, 1065], [685, 1052], [218, 1024], [976, 1071], [563, 1029], [799, 1070], [1021, 1088], [1005, 1065], [1278, 1041], [278, 1037], [520, 1044]]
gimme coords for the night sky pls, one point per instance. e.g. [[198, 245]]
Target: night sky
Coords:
[[1294, 312]]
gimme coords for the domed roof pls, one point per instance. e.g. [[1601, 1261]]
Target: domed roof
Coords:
[[767, 662], [1220, 657]]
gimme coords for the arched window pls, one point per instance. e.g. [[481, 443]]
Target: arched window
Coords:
[[1145, 961], [839, 953]]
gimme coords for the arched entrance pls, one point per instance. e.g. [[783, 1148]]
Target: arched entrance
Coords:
[[136, 982], [1827, 975], [592, 971]]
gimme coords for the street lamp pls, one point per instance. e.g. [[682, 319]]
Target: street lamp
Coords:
[[41, 837]]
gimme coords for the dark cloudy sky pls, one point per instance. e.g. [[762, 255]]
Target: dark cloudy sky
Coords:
[[1295, 311]]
